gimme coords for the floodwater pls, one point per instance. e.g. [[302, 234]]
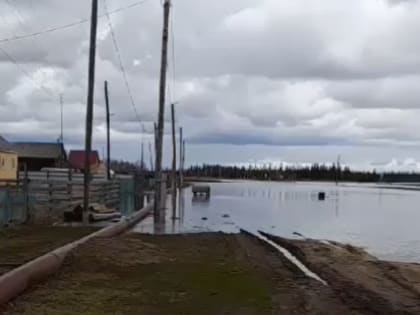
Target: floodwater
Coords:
[[384, 221]]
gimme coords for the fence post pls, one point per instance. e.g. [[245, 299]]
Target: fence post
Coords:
[[7, 207], [70, 190], [49, 193], [141, 191], [26, 198]]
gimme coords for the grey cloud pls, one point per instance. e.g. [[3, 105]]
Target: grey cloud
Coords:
[[277, 73], [272, 140]]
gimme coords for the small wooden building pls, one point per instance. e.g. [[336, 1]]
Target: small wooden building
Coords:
[[35, 156], [8, 167], [77, 161]]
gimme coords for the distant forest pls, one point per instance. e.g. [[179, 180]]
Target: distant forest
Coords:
[[316, 172]]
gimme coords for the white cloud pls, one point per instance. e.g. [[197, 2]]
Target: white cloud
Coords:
[[319, 74]]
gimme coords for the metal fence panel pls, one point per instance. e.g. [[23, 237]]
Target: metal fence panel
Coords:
[[14, 204], [127, 196]]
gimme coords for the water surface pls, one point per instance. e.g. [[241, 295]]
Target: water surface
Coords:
[[384, 221]]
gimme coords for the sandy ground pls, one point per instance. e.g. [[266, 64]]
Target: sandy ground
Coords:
[[214, 273]]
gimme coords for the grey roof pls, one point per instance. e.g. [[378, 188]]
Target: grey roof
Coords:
[[39, 150], [5, 145]]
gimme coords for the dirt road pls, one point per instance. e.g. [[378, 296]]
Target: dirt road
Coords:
[[218, 274]]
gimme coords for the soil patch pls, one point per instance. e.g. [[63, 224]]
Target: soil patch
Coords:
[[21, 244]]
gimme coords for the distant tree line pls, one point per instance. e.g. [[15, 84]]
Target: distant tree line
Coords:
[[315, 172], [125, 167]]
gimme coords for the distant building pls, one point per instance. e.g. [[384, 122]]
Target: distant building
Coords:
[[8, 163], [37, 155], [8, 167], [77, 161]]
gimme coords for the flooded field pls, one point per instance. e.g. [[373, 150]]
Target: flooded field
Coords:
[[384, 221]]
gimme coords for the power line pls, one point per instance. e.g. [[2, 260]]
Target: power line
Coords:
[[19, 66], [69, 25], [23, 26], [26, 73], [122, 68]]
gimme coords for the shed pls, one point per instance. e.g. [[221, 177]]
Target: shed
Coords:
[[77, 160], [37, 155], [8, 167]]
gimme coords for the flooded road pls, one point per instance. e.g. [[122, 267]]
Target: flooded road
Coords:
[[384, 221]]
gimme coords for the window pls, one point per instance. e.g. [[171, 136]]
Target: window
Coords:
[[13, 163]]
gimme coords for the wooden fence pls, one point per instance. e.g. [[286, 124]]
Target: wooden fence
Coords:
[[53, 193]]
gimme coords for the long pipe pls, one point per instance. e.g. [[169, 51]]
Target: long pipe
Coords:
[[18, 280]]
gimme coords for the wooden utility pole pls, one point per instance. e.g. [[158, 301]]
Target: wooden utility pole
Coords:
[[181, 175], [142, 156], [89, 110], [161, 114], [151, 156], [155, 136], [173, 163], [183, 155], [108, 133], [62, 119], [337, 170]]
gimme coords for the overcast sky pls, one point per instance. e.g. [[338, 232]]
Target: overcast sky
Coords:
[[256, 81]]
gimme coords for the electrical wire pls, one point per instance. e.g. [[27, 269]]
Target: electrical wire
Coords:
[[13, 59], [121, 64], [50, 30], [25, 73], [69, 25], [40, 44]]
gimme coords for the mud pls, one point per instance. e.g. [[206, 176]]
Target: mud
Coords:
[[215, 273], [360, 280]]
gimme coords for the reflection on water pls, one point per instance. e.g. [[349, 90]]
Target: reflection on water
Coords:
[[384, 221]]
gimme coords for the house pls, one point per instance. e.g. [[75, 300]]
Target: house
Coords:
[[8, 163], [77, 160], [37, 155]]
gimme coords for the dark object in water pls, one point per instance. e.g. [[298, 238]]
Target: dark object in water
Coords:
[[226, 216], [321, 195], [200, 198], [204, 219], [199, 190], [298, 234]]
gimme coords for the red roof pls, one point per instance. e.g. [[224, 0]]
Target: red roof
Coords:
[[77, 159]]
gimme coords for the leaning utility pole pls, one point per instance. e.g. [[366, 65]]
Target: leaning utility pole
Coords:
[[161, 114], [181, 153], [173, 162], [108, 133], [89, 111]]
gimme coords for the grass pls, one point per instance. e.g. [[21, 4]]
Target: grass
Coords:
[[24, 243], [129, 276]]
